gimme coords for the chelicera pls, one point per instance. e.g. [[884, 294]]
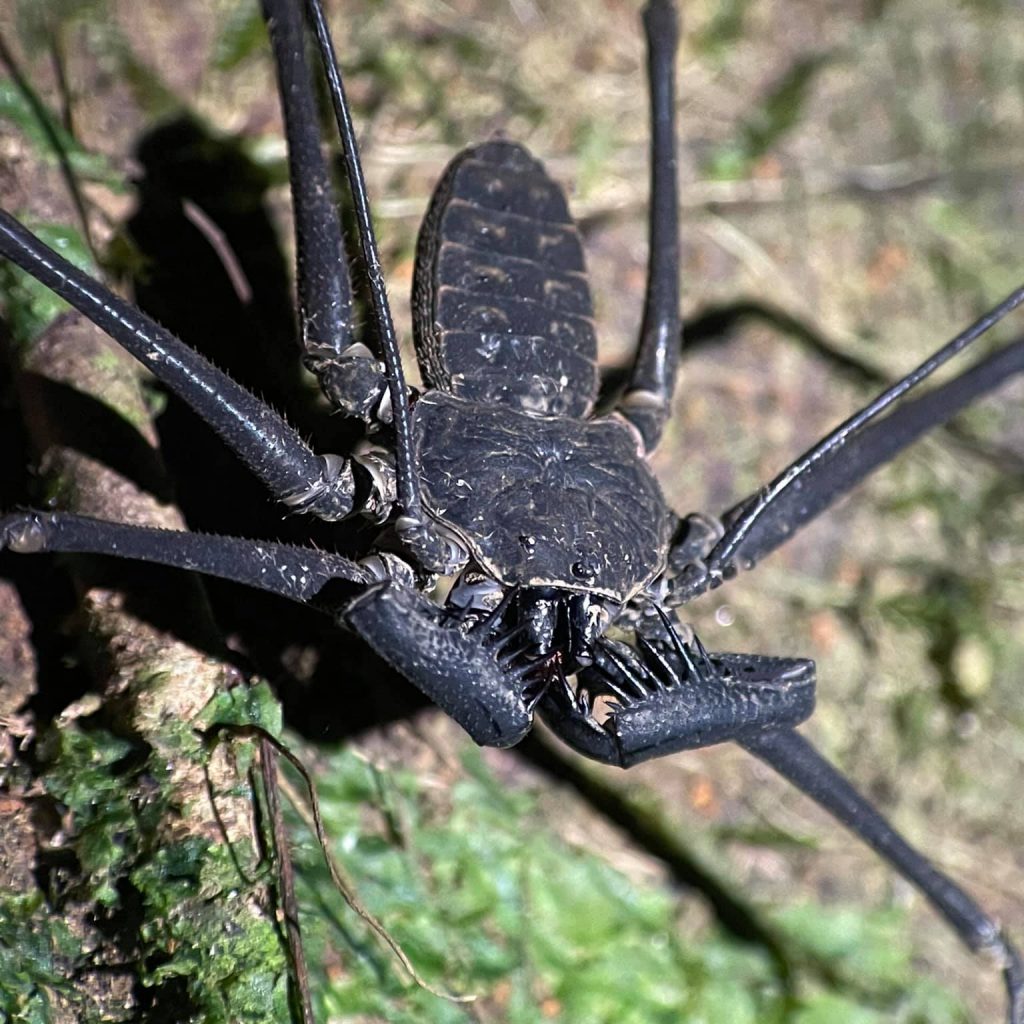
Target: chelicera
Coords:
[[503, 479]]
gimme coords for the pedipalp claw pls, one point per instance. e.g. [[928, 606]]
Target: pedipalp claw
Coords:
[[463, 675], [727, 697]]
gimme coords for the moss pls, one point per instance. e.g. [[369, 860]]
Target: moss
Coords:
[[200, 931], [38, 957], [189, 911], [485, 899], [243, 706], [91, 775], [30, 307]]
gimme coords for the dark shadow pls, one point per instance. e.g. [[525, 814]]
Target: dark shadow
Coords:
[[331, 684], [716, 325], [649, 832], [92, 428]]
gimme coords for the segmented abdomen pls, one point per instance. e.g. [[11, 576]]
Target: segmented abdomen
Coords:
[[501, 304]]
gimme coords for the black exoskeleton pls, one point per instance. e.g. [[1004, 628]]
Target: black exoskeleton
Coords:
[[560, 559]]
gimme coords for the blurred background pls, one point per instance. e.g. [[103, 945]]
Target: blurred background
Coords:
[[852, 181]]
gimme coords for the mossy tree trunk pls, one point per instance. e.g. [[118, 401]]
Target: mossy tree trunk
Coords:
[[132, 859]]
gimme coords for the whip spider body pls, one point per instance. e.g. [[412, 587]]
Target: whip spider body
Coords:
[[509, 479]]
